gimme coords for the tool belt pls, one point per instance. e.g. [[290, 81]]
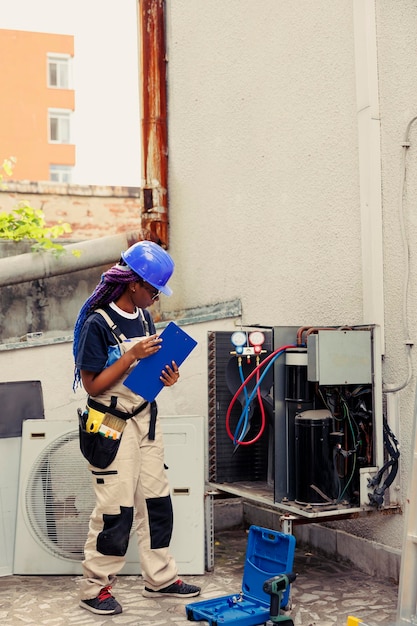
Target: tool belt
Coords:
[[100, 451], [102, 408]]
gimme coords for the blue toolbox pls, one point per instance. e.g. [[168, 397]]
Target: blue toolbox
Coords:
[[269, 553]]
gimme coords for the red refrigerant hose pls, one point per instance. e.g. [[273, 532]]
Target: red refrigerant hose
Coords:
[[235, 397]]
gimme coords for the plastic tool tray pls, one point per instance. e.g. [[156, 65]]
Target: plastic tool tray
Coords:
[[268, 553]]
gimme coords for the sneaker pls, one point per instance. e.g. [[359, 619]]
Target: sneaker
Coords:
[[104, 604], [179, 589]]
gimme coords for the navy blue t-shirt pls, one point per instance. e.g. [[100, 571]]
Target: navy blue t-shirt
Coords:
[[97, 346]]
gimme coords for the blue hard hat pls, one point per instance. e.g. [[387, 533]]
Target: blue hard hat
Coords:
[[152, 263]]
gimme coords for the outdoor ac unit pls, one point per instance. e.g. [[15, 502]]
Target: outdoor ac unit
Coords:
[[56, 498]]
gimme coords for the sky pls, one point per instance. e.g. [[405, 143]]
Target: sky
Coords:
[[106, 122]]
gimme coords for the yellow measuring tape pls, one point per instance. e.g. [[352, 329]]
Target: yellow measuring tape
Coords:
[[94, 420]]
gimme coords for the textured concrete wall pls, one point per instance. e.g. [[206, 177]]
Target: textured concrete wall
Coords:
[[397, 47], [263, 158], [45, 305]]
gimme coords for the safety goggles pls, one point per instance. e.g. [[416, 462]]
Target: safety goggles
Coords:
[[155, 293]]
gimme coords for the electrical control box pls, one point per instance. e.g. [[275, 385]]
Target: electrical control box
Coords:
[[340, 358]]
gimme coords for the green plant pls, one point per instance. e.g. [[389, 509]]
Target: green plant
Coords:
[[24, 223]]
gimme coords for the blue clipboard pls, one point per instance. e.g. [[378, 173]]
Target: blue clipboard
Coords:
[[176, 346]]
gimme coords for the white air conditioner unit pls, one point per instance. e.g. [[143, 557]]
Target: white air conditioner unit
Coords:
[[56, 498]]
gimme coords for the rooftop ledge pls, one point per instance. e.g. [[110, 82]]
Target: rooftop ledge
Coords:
[[67, 189], [183, 317]]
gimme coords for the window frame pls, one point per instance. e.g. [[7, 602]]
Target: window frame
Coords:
[[61, 61], [60, 115], [62, 171]]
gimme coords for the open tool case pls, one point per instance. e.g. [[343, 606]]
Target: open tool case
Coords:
[[268, 554]]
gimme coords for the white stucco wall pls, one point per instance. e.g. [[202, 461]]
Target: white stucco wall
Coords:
[[264, 179], [397, 46], [263, 158]]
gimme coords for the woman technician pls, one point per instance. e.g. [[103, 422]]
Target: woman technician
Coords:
[[112, 332]]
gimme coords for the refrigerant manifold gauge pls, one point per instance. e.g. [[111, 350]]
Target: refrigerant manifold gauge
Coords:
[[238, 339], [257, 340]]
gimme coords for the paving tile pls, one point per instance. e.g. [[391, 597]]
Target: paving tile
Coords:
[[325, 593]]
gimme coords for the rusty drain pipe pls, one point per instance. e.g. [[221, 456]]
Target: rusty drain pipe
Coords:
[[153, 95]]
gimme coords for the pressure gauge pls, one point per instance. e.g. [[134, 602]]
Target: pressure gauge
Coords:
[[257, 339], [238, 339]]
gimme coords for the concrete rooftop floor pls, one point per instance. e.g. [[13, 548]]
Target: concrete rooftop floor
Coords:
[[325, 593]]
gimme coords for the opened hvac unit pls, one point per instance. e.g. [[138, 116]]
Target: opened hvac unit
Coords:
[[56, 497], [296, 420]]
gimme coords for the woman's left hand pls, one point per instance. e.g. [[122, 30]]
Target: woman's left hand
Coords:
[[170, 375]]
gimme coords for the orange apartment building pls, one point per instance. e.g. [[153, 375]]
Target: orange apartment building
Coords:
[[36, 104]]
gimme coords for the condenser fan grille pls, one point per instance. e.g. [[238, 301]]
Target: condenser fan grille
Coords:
[[60, 498]]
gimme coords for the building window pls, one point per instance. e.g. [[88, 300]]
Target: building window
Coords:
[[59, 72], [60, 173], [59, 126]]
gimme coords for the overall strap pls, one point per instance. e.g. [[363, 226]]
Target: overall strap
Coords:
[[144, 322], [113, 327], [120, 337]]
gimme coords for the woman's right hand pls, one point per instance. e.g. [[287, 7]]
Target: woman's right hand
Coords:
[[146, 347], [96, 383]]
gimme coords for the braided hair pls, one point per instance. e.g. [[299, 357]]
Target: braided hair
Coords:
[[111, 286]]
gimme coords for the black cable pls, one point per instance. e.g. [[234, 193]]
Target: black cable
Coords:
[[391, 444]]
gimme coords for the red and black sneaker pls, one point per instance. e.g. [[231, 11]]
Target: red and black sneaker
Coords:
[[179, 589], [103, 604]]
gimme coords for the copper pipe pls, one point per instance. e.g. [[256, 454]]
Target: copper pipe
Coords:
[[300, 332], [312, 330]]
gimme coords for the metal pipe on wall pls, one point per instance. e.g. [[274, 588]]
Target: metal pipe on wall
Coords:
[[369, 140], [153, 88], [93, 253]]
